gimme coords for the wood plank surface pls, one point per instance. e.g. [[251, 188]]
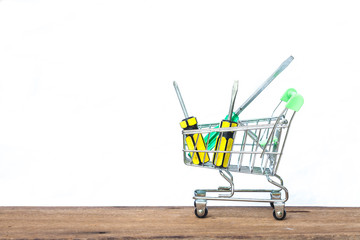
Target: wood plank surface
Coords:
[[130, 223]]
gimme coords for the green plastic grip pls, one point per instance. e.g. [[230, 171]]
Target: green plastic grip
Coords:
[[293, 99]]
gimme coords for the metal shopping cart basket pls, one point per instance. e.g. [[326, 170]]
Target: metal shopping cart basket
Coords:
[[257, 149]]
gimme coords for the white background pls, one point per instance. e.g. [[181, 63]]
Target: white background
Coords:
[[89, 116]]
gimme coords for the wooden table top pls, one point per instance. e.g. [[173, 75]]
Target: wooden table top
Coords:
[[131, 223]]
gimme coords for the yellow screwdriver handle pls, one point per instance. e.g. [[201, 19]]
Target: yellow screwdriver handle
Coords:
[[195, 141], [224, 142]]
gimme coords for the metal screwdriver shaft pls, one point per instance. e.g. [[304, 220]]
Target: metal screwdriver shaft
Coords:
[[233, 97], [180, 99], [265, 84]]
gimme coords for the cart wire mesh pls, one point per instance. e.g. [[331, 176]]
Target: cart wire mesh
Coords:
[[257, 148]]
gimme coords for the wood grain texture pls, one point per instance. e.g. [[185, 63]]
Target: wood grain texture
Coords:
[[130, 223]]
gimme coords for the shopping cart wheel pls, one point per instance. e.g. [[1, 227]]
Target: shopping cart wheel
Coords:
[[279, 215], [200, 213], [274, 195], [200, 208]]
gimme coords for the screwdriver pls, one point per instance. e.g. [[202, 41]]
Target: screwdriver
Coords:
[[226, 139], [193, 141], [211, 137]]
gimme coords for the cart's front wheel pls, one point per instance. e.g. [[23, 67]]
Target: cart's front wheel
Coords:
[[280, 215], [201, 213]]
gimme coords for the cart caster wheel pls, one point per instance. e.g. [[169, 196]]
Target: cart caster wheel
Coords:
[[272, 205], [279, 215], [201, 213]]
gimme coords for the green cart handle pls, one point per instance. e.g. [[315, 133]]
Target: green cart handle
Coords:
[[293, 99]]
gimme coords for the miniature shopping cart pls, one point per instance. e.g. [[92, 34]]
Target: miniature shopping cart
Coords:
[[257, 149]]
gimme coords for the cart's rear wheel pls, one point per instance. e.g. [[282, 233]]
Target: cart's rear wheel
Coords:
[[279, 215], [201, 213], [272, 205]]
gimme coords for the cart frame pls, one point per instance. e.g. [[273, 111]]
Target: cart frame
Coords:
[[262, 158]]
